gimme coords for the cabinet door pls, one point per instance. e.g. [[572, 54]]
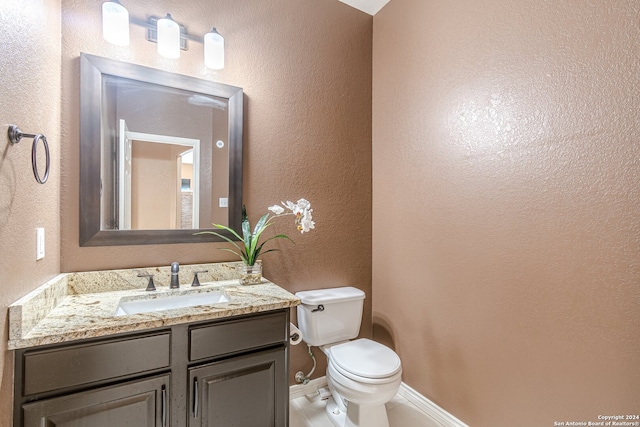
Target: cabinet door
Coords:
[[243, 391], [140, 403]]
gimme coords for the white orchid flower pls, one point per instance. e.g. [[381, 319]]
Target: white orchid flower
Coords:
[[276, 209], [304, 204], [295, 208], [306, 224]]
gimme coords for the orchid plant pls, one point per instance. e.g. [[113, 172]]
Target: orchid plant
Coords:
[[250, 247]]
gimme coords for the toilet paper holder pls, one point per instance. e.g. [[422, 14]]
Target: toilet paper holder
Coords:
[[295, 336]]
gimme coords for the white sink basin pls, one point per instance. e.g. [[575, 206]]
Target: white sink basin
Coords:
[[128, 306]]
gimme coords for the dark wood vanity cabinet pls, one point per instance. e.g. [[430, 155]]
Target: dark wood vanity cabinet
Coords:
[[141, 403], [240, 391], [228, 372]]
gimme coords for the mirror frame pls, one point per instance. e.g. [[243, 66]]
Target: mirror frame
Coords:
[[92, 70]]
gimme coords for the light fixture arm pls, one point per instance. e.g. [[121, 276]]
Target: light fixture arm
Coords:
[[152, 32]]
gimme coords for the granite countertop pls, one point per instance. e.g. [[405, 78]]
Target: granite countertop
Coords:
[[75, 306]]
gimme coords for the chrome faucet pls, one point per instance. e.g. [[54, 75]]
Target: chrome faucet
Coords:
[[175, 282]]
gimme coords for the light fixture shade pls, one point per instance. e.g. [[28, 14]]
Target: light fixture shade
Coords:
[[214, 50], [115, 23], [168, 37]]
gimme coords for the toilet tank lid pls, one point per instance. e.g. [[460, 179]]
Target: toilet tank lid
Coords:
[[330, 295]]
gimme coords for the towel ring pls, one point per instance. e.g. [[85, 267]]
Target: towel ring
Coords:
[[15, 135]]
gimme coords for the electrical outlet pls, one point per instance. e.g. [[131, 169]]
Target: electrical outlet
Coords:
[[223, 202], [39, 243]]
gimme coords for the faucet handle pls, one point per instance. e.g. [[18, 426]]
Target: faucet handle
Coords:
[[196, 282], [151, 286]]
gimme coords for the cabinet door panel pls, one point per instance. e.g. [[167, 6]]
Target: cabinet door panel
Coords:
[[135, 404], [239, 392]]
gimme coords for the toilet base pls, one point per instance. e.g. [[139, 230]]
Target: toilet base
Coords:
[[357, 415], [335, 414]]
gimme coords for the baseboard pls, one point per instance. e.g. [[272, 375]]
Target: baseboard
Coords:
[[433, 411]]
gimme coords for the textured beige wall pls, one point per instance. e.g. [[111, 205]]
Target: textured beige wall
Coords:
[[306, 72], [305, 68], [154, 185], [506, 177], [29, 98]]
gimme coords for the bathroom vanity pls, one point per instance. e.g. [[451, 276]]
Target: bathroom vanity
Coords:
[[216, 365]]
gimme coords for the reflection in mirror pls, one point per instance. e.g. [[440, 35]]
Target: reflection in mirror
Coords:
[[161, 154], [158, 183]]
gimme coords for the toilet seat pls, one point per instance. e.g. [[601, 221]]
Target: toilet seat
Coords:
[[365, 360]]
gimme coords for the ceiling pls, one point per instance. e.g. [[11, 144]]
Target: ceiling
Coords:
[[368, 6]]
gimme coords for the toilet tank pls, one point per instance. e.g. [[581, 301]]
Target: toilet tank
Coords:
[[328, 316]]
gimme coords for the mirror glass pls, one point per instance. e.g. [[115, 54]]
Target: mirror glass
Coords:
[[165, 157], [161, 155]]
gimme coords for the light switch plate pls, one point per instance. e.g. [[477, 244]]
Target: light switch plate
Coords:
[[39, 243]]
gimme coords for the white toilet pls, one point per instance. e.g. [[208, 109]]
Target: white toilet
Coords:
[[362, 375]]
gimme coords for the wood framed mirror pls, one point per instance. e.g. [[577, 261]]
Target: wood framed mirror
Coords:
[[160, 155]]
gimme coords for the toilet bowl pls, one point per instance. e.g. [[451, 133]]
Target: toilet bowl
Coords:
[[362, 374]]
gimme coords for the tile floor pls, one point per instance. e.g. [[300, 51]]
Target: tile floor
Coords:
[[308, 411]]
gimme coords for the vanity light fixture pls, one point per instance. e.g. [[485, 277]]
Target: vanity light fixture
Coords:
[[170, 36], [214, 50], [115, 23]]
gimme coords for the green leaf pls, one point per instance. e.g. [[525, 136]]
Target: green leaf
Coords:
[[246, 234], [242, 253], [255, 238], [261, 223], [231, 230], [270, 250], [278, 236], [246, 229]]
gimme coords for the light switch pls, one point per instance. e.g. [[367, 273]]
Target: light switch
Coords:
[[39, 243]]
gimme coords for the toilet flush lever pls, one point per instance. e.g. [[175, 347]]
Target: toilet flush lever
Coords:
[[320, 308]]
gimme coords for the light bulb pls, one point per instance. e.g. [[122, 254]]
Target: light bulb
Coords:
[[115, 23], [214, 50], [168, 37]]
